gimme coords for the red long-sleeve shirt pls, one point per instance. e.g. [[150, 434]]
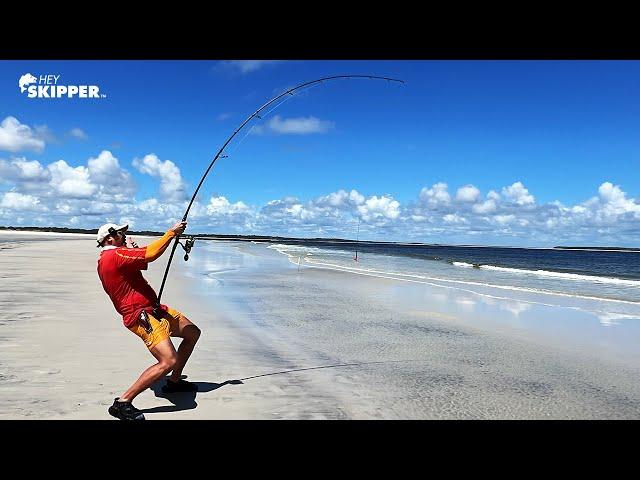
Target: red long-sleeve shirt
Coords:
[[120, 271]]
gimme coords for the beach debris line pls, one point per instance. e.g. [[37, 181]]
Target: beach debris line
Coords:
[[288, 93]]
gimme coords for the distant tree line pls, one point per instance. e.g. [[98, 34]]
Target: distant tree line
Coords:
[[267, 238], [94, 231]]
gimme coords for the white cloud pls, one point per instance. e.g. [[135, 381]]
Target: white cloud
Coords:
[[298, 211], [247, 66], [102, 178], [436, 196], [487, 206], [454, 218], [127, 221], [15, 137], [112, 180], [221, 206], [615, 201], [18, 201], [61, 194], [341, 199], [172, 186], [45, 134], [30, 170], [611, 218], [294, 126], [468, 193], [504, 219], [78, 134], [336, 213], [518, 194], [71, 182], [375, 207], [23, 170]]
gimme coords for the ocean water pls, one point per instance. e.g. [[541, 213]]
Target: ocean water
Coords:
[[607, 281]]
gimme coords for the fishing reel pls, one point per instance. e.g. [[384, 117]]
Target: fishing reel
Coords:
[[187, 246]]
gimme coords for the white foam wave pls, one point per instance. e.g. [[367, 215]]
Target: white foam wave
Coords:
[[428, 280], [302, 260], [463, 264], [564, 276], [298, 250]]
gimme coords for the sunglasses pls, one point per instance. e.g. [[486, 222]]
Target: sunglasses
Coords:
[[114, 233]]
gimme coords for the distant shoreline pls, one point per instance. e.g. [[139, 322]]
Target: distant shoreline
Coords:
[[600, 249], [272, 239]]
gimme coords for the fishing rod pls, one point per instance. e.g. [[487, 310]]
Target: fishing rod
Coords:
[[190, 240]]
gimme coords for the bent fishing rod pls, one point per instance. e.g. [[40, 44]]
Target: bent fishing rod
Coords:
[[190, 241]]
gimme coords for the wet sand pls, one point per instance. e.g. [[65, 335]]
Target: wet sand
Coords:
[[283, 343]]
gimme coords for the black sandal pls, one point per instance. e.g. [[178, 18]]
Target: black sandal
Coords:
[[179, 386]]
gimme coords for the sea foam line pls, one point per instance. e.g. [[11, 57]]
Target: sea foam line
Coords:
[[364, 271], [563, 275], [463, 282], [290, 249]]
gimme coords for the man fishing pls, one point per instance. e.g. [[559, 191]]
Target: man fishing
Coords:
[[119, 269]]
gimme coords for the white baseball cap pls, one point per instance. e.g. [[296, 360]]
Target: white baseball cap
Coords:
[[105, 230]]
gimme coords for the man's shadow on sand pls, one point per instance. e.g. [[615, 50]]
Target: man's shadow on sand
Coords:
[[183, 400], [187, 400]]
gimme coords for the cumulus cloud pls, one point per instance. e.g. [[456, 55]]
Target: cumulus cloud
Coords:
[[614, 201], [45, 134], [22, 170], [336, 214], [111, 179], [379, 207], [487, 206], [102, 177], [289, 209], [78, 134], [83, 196], [436, 196], [16, 137], [341, 199], [454, 218], [172, 186], [518, 194], [504, 219], [71, 182], [221, 206], [293, 126], [468, 193], [611, 217], [20, 202]]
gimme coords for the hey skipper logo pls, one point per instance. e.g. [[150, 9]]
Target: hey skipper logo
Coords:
[[49, 86]]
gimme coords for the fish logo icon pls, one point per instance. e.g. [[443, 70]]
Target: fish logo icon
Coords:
[[26, 79]]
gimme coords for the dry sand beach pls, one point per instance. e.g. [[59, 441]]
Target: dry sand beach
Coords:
[[281, 342]]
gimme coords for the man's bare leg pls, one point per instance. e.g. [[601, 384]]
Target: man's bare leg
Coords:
[[167, 358], [190, 334]]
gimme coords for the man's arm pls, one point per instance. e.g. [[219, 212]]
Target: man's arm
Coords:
[[157, 248]]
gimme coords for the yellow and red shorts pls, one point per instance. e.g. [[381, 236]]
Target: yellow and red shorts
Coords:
[[160, 329]]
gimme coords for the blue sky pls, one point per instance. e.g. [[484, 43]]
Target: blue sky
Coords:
[[532, 152]]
